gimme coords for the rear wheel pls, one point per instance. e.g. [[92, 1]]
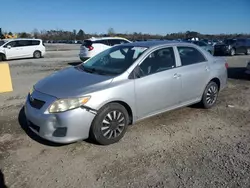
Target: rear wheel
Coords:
[[37, 54], [110, 124], [210, 95]]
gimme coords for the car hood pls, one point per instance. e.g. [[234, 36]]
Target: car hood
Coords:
[[71, 82]]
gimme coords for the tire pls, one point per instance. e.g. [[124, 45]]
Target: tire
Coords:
[[37, 54], [247, 51], [2, 57], [110, 124], [232, 52], [210, 95]]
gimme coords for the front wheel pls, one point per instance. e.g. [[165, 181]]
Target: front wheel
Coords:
[[2, 57], [210, 95], [110, 124]]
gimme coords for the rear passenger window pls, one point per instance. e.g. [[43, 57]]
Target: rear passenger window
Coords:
[[123, 41], [24, 43], [113, 42], [190, 55], [35, 42]]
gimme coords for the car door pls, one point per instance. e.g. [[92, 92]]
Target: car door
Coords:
[[25, 48], [194, 72], [157, 86], [12, 50]]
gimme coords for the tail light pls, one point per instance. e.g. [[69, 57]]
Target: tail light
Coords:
[[226, 65], [90, 48]]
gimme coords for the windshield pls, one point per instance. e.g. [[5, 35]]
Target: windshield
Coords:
[[2, 42], [229, 41], [113, 61]]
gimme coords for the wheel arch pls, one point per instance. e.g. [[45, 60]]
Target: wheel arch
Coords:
[[126, 106], [216, 80], [2, 54], [37, 51]]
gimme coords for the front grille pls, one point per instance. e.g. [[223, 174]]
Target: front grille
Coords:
[[33, 126], [35, 103]]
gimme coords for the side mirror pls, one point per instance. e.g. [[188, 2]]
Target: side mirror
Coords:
[[9, 47]]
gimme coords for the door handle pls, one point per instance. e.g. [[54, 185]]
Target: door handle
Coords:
[[207, 68], [176, 76]]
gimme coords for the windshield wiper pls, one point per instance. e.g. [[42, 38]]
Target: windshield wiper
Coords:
[[97, 71], [90, 70], [94, 70]]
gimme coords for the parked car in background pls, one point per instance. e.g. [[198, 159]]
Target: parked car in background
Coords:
[[93, 46], [233, 46], [207, 41], [205, 46], [120, 86], [215, 41], [21, 48]]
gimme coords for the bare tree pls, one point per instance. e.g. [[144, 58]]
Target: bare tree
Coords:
[[111, 31], [35, 33], [24, 35]]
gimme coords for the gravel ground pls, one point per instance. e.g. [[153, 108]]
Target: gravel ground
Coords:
[[188, 147]]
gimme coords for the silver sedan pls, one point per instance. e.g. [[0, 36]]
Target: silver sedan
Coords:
[[121, 85]]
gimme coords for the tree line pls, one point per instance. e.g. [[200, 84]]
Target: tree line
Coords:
[[81, 35]]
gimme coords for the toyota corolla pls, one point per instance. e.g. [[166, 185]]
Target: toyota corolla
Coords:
[[121, 85]]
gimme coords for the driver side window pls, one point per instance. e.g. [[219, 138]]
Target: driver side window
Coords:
[[12, 44], [159, 60]]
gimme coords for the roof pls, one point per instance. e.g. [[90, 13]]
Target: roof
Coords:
[[105, 38], [150, 44], [10, 39]]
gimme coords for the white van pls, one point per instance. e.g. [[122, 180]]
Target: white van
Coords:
[[21, 48]]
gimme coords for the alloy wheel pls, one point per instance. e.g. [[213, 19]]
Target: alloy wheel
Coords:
[[212, 94], [113, 124]]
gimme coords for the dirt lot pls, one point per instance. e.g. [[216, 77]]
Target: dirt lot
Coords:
[[189, 147]]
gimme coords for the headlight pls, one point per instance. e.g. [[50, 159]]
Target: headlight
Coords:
[[31, 90], [62, 105]]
